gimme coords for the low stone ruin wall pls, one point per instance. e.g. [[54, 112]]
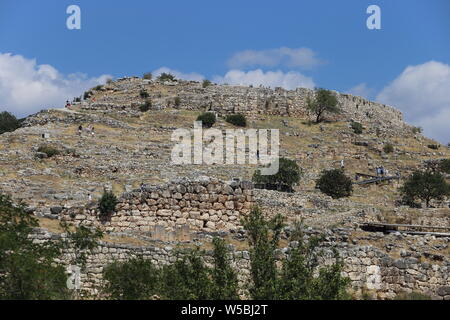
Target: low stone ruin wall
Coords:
[[369, 269], [203, 205]]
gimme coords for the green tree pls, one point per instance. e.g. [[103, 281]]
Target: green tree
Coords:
[[206, 83], [324, 101], [288, 174], [148, 76], [208, 119], [28, 270], [107, 204], [8, 122], [424, 186], [335, 183], [225, 283], [237, 120], [357, 127], [135, 279], [166, 77], [187, 279], [263, 237]]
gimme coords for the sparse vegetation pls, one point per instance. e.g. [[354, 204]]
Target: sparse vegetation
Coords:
[[50, 151], [388, 148], [107, 204], [166, 77], [416, 130], [144, 94], [147, 105], [434, 146], [177, 101], [148, 76], [412, 296], [424, 186], [444, 166], [208, 119], [206, 83], [357, 127], [238, 120], [335, 183], [8, 122], [289, 173], [323, 102]]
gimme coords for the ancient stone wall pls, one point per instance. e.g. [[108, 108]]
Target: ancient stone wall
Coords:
[[206, 204], [369, 269]]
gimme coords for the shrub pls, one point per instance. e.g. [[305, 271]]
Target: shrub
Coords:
[[237, 120], [324, 101], [107, 204], [357, 127], [177, 101], [444, 166], [288, 174], [135, 279], [109, 81], [388, 148], [97, 88], [416, 130], [166, 77], [206, 83], [425, 186], [8, 122], [49, 150], [148, 76], [208, 119], [335, 183], [146, 106], [144, 94], [434, 146]]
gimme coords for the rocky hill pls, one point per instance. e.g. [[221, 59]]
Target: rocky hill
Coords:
[[131, 150]]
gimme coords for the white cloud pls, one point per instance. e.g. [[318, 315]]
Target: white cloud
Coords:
[[422, 92], [361, 90], [179, 75], [302, 57], [290, 80], [26, 87]]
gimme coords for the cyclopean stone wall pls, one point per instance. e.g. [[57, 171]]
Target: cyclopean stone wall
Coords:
[[124, 94], [206, 204], [369, 269]]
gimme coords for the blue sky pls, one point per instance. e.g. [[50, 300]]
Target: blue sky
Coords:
[[288, 43]]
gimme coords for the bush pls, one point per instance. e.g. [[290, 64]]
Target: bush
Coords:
[[144, 94], [148, 76], [288, 174], [444, 166], [135, 279], [424, 186], [87, 95], [388, 148], [97, 88], [416, 130], [238, 120], [49, 150], [109, 81], [208, 119], [206, 83], [107, 204], [357, 127], [335, 183], [146, 106], [177, 101], [166, 77], [434, 146], [8, 122]]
